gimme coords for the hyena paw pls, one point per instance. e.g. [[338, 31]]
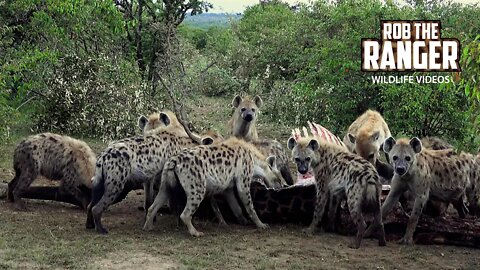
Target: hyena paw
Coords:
[[101, 230], [406, 241], [354, 245], [309, 231], [20, 206], [263, 226], [197, 234], [147, 227]]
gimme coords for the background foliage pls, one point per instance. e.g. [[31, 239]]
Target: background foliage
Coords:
[[67, 65]]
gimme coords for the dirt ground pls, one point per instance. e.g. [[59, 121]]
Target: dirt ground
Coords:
[[52, 235]]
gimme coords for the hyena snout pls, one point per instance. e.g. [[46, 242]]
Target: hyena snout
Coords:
[[401, 170], [302, 167], [248, 115]]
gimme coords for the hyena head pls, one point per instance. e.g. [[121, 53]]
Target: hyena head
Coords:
[[402, 153], [246, 109], [304, 153], [211, 137], [158, 122], [366, 145], [271, 174]]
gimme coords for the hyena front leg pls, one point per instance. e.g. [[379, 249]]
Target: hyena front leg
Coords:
[[216, 210], [243, 187], [460, 206], [232, 202], [71, 185], [420, 202], [320, 204], [148, 190]]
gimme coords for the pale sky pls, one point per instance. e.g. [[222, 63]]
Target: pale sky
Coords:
[[234, 6]]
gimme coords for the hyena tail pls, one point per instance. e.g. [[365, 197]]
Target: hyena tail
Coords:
[[371, 197], [98, 184], [177, 197]]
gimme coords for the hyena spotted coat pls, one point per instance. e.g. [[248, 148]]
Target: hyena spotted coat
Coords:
[[366, 134], [56, 157], [243, 125], [340, 174], [443, 175], [136, 159], [205, 171]]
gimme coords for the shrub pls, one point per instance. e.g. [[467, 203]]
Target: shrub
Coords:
[[100, 97]]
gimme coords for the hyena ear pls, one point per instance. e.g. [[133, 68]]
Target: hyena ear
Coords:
[[351, 138], [388, 144], [258, 101], [313, 144], [416, 144], [272, 161], [236, 101], [207, 141], [165, 119], [291, 143], [375, 136], [142, 122]]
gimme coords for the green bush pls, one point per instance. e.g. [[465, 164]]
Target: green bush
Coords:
[[100, 97]]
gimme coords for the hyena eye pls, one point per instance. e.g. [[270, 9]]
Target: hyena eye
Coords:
[[307, 159], [371, 156], [253, 110], [297, 159], [395, 158], [407, 158], [243, 109]]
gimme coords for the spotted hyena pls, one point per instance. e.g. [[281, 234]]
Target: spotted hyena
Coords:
[[56, 157], [163, 121], [136, 159], [433, 207], [243, 125], [443, 175], [340, 174], [366, 135], [205, 171]]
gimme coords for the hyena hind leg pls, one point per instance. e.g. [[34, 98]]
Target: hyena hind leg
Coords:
[[111, 192], [18, 186], [193, 202], [160, 200], [354, 206]]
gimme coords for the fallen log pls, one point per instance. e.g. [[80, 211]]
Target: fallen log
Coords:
[[54, 193]]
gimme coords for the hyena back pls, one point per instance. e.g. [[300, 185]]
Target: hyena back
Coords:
[[339, 175], [205, 171], [55, 157], [442, 175], [366, 135]]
